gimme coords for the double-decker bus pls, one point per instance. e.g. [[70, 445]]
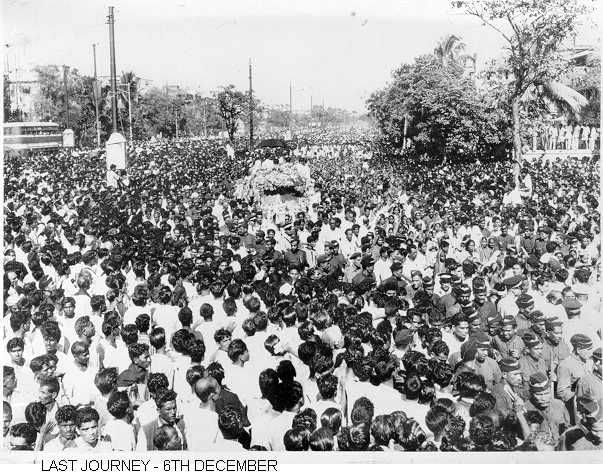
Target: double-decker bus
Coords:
[[31, 136]]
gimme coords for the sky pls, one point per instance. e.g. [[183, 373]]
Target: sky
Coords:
[[332, 51]]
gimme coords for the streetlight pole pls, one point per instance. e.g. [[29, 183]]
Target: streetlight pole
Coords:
[[111, 21], [65, 69], [250, 108], [204, 120], [123, 85], [6, 60], [291, 109], [116, 145], [96, 91]]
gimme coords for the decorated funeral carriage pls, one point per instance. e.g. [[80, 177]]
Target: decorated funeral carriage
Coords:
[[280, 185]]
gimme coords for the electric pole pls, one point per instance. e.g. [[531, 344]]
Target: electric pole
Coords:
[[116, 145], [96, 91], [65, 69], [250, 108], [204, 120], [291, 109], [111, 21]]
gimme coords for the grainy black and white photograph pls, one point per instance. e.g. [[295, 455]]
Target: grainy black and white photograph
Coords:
[[280, 226]]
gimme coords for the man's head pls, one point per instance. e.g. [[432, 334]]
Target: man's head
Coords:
[[22, 437], [166, 405], [87, 425], [120, 407], [511, 372], [237, 352], [508, 328], [540, 390], [534, 346], [597, 362], [66, 417], [582, 346], [9, 380], [368, 264], [207, 389], [7, 417], [166, 438], [482, 346], [460, 326], [106, 380], [69, 307], [48, 390], [81, 353], [84, 328], [445, 279], [588, 409], [513, 285], [525, 303], [51, 333], [230, 422], [223, 339], [139, 355]]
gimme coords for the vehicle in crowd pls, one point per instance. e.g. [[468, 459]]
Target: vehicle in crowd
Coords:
[[31, 136]]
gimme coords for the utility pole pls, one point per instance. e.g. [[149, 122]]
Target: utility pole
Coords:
[[111, 21], [130, 113], [322, 114], [96, 91], [250, 108], [123, 85], [6, 62], [116, 145], [204, 120], [291, 109], [65, 69]]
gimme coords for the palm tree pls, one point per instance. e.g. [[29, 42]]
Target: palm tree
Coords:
[[563, 98], [450, 50], [128, 81]]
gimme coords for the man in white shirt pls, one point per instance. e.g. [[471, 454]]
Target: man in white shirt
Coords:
[[230, 423], [415, 261], [201, 418], [78, 381], [237, 376], [119, 431], [349, 244], [112, 177], [166, 315], [382, 266]]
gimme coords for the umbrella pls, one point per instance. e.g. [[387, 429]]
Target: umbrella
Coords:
[[274, 143]]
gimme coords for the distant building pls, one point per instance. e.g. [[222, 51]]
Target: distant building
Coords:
[[23, 89], [579, 55]]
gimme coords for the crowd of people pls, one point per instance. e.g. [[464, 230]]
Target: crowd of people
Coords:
[[414, 308], [570, 138]]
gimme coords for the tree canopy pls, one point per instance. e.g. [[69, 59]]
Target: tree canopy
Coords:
[[535, 33], [231, 106], [440, 110]]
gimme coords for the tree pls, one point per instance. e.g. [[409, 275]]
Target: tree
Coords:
[[7, 104], [155, 114], [449, 50], [231, 106], [49, 103], [585, 78], [534, 33], [202, 115], [440, 110]]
